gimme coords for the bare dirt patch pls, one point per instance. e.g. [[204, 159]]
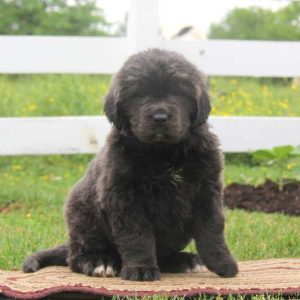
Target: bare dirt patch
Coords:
[[267, 197]]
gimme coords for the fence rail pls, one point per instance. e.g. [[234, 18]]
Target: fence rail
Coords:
[[94, 55], [69, 135]]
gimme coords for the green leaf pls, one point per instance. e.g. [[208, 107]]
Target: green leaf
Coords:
[[282, 151], [262, 156]]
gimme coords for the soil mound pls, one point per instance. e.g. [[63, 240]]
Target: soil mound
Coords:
[[267, 197]]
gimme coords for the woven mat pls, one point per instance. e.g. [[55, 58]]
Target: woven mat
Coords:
[[276, 276]]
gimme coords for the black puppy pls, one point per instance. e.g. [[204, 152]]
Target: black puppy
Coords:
[[154, 186]]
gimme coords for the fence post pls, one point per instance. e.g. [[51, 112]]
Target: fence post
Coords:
[[143, 27]]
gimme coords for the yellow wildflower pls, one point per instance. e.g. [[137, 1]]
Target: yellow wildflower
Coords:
[[28, 215], [16, 167], [244, 93], [294, 87], [283, 104], [290, 166], [233, 81], [265, 91], [32, 107], [225, 114], [45, 177]]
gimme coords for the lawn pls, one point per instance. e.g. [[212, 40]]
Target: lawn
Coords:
[[33, 188], [58, 95]]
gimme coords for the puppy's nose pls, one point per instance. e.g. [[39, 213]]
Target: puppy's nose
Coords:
[[160, 117]]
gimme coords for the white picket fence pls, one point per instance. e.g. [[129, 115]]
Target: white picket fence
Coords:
[[94, 55]]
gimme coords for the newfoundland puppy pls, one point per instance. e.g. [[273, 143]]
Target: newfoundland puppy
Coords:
[[154, 186]]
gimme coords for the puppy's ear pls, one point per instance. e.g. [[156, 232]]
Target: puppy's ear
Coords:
[[203, 104], [203, 107], [111, 102]]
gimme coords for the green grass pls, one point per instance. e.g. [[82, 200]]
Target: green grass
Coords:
[[51, 95], [33, 189], [253, 96], [56, 95], [240, 168]]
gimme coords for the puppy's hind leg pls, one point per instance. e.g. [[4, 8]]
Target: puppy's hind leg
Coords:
[[50, 257], [96, 265], [181, 262], [93, 257]]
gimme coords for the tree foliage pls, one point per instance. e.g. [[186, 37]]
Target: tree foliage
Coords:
[[51, 17], [259, 24]]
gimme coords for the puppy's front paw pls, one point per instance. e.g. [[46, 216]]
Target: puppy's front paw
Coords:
[[142, 273], [227, 268], [31, 265]]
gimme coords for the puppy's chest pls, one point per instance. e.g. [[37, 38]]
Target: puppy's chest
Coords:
[[175, 177], [161, 181], [166, 198]]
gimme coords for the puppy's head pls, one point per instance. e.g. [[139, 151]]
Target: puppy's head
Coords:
[[158, 96]]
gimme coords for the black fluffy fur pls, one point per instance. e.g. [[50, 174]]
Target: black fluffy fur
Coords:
[[154, 186]]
